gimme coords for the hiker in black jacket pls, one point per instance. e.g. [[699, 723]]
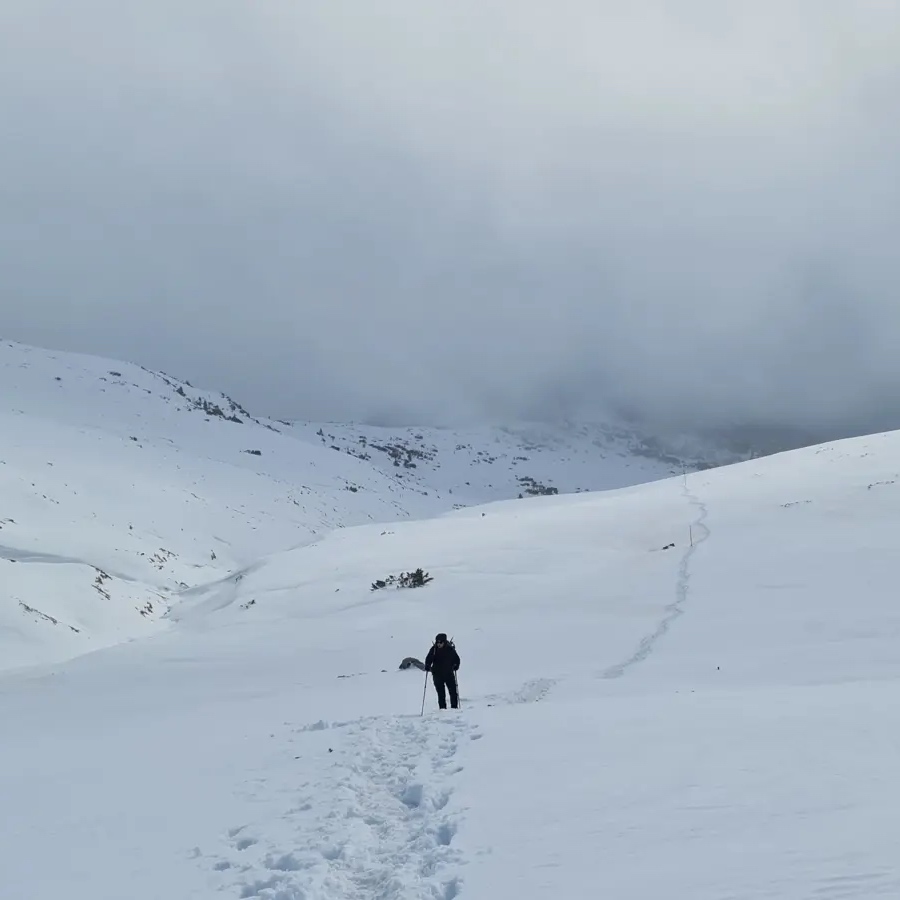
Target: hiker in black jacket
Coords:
[[443, 661]]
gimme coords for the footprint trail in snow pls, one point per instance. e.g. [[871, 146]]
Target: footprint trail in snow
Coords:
[[379, 820], [674, 609]]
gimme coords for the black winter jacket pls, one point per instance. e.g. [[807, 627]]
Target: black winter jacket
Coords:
[[443, 660]]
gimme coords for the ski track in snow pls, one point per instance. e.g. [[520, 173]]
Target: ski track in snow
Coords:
[[676, 608], [377, 824]]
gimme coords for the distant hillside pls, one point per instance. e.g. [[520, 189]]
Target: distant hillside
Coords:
[[478, 465], [121, 488]]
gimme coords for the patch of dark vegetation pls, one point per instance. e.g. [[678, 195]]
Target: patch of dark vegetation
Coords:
[[228, 409], [99, 581], [45, 617], [419, 578], [534, 488], [401, 454]]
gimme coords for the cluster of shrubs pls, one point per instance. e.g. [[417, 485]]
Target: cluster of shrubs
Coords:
[[419, 578], [536, 489]]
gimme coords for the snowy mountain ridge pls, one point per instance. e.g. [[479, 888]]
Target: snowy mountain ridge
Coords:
[[478, 465], [122, 488]]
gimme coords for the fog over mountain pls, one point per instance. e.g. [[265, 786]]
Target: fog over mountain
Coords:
[[468, 211]]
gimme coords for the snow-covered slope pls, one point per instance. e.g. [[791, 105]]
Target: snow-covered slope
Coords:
[[686, 689], [478, 465], [120, 488]]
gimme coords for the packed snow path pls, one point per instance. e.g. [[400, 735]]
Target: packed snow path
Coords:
[[379, 821]]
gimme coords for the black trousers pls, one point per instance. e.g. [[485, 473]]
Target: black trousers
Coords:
[[443, 682]]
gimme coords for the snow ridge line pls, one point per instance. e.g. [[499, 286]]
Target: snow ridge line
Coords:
[[682, 588]]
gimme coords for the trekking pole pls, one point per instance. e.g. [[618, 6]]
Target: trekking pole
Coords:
[[458, 695], [424, 691]]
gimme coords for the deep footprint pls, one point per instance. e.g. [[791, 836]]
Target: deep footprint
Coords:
[[445, 834], [412, 796], [441, 800], [257, 887], [285, 863], [451, 889]]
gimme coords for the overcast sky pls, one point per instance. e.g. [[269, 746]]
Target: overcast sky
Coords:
[[491, 209]]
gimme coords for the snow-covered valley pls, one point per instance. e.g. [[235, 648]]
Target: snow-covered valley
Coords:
[[683, 688], [122, 488]]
